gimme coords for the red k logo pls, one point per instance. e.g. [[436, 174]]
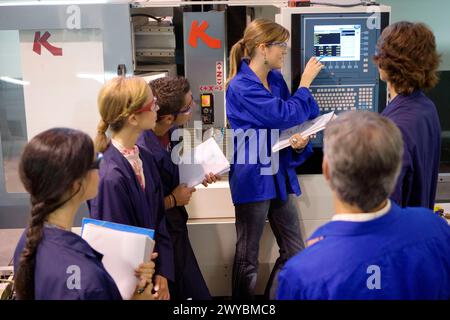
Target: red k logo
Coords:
[[199, 32], [42, 41]]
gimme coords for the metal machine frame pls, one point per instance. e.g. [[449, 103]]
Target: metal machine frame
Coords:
[[112, 19]]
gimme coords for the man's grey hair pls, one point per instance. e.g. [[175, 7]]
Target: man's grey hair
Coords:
[[364, 151]]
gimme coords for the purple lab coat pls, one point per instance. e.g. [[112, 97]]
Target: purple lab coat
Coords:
[[121, 199], [418, 120], [189, 282]]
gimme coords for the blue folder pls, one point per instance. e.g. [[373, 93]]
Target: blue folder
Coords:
[[118, 226]]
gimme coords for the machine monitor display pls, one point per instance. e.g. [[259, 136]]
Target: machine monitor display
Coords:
[[345, 43], [337, 42]]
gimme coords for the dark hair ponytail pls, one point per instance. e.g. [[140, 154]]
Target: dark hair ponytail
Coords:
[[51, 163]]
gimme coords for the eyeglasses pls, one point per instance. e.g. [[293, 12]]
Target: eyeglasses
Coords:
[[151, 106], [98, 159], [282, 45], [187, 109]]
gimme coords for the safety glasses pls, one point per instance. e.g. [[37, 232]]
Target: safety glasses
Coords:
[[151, 106], [279, 44], [187, 109]]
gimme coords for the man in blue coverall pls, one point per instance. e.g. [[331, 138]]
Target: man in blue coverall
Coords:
[[372, 248]]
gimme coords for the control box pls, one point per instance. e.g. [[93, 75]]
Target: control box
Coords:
[[207, 108]]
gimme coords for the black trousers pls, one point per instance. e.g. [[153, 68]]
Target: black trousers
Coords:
[[189, 282]]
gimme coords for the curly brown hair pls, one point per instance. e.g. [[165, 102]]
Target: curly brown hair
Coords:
[[170, 93], [407, 52]]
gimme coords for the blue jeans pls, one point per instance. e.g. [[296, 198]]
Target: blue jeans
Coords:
[[250, 220]]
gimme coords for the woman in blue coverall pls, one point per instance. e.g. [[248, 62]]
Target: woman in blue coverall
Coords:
[[258, 101]]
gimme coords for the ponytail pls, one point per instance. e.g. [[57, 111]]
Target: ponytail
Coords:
[[259, 31], [24, 280], [236, 54], [101, 141], [117, 100]]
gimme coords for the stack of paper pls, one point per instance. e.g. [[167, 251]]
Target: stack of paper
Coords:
[[123, 247], [203, 159], [305, 130]]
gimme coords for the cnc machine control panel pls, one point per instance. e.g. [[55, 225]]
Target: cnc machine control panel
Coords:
[[345, 45]]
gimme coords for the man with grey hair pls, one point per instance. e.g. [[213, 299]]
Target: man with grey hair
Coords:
[[372, 248]]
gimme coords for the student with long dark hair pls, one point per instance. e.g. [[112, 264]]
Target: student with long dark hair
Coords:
[[130, 190], [59, 170]]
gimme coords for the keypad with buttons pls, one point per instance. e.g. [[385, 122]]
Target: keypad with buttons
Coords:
[[343, 98]]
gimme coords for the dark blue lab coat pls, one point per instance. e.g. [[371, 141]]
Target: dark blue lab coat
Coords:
[[251, 106], [410, 246], [418, 120], [121, 199], [57, 253], [189, 282]]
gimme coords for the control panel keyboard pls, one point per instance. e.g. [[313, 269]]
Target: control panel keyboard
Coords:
[[344, 98]]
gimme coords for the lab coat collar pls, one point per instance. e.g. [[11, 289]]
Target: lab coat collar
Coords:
[[401, 98], [348, 228], [113, 157], [70, 241], [362, 217], [151, 136], [112, 154], [248, 73]]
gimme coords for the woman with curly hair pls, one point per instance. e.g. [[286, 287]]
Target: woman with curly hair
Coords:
[[408, 61]]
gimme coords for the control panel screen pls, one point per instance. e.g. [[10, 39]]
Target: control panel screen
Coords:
[[337, 42]]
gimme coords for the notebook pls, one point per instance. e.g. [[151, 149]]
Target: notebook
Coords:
[[123, 251], [305, 130], [205, 158], [118, 226]]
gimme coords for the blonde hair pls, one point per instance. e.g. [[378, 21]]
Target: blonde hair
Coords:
[[259, 31], [117, 100]]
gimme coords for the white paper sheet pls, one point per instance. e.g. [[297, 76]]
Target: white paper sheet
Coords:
[[305, 129], [122, 253], [203, 159]]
